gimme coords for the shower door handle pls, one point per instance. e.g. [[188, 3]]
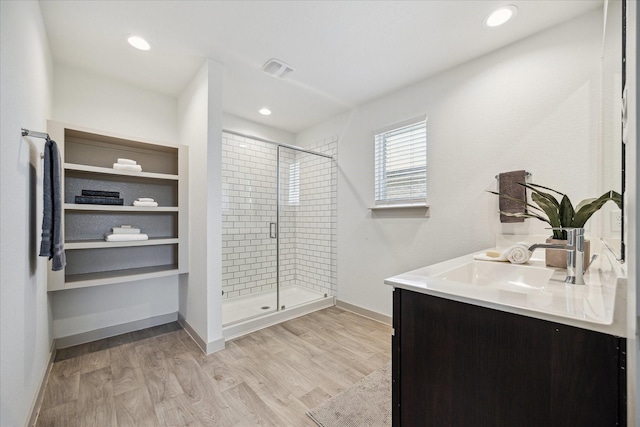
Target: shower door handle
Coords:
[[273, 231]]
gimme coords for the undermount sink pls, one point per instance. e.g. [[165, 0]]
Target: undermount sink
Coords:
[[512, 277], [530, 289]]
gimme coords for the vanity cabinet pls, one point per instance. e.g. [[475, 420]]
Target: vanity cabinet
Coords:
[[87, 160], [460, 365]]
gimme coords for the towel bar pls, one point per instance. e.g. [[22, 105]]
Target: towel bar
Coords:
[[27, 132]]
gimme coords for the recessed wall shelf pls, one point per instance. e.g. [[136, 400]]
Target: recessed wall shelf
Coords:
[[88, 157], [110, 171], [93, 244], [120, 276], [111, 208]]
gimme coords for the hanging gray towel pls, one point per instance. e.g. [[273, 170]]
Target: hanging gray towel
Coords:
[[51, 245], [509, 184]]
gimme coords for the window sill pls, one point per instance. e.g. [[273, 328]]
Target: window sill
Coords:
[[420, 210], [407, 206]]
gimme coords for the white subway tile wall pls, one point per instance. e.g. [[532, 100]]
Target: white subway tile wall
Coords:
[[307, 228]]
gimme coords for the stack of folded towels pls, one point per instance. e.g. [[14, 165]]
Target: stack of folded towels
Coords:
[[128, 165], [125, 233], [145, 201]]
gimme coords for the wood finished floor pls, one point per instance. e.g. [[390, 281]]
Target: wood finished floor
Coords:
[[159, 377]]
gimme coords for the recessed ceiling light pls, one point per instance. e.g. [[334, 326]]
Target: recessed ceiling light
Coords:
[[139, 43], [500, 16], [264, 111]]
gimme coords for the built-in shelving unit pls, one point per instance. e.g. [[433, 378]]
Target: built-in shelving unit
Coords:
[[88, 157]]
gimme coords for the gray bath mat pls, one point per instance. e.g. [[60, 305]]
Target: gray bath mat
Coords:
[[367, 403]]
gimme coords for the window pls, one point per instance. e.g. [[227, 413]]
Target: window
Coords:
[[401, 164], [294, 184]]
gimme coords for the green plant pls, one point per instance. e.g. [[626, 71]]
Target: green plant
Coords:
[[559, 214]]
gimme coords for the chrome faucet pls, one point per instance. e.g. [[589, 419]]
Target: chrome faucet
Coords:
[[575, 254]]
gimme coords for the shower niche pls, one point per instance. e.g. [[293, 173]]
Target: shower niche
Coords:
[[279, 226]]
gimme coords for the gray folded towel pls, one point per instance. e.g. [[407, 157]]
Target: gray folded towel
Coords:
[[508, 184], [52, 244]]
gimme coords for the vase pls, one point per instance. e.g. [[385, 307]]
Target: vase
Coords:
[[558, 257]]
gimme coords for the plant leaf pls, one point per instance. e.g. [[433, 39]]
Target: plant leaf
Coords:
[[549, 204], [550, 209], [547, 196], [525, 215], [566, 215], [588, 207], [546, 188]]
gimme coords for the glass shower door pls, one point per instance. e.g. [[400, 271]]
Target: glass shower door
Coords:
[[306, 227], [249, 234]]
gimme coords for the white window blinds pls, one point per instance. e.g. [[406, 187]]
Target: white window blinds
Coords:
[[294, 184], [401, 165]]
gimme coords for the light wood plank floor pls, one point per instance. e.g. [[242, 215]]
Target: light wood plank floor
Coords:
[[159, 377]]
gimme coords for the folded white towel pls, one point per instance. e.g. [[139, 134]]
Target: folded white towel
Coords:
[[125, 230], [145, 199], [126, 162], [516, 254], [147, 204], [125, 237], [133, 168]]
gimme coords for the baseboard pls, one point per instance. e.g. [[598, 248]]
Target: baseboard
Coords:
[[37, 402], [112, 331], [214, 346], [373, 315], [206, 347]]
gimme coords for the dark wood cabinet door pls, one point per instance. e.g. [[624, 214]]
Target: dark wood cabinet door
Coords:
[[457, 364]]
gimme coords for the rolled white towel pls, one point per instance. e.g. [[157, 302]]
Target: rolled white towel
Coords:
[[125, 237], [133, 168], [518, 253], [145, 204], [126, 162], [515, 254], [145, 199]]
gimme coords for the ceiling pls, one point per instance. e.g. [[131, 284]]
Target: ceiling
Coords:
[[345, 53]]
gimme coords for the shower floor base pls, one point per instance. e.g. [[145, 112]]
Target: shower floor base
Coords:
[[249, 306]]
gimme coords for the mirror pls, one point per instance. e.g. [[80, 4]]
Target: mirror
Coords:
[[612, 147]]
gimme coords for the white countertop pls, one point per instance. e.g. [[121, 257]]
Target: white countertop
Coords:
[[600, 305]]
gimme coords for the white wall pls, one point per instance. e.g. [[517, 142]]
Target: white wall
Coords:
[[200, 117], [85, 99], [246, 127], [532, 105], [25, 101]]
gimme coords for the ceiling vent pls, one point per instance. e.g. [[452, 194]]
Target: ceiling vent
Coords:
[[276, 68]]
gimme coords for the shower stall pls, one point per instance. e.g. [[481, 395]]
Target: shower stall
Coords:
[[279, 227]]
